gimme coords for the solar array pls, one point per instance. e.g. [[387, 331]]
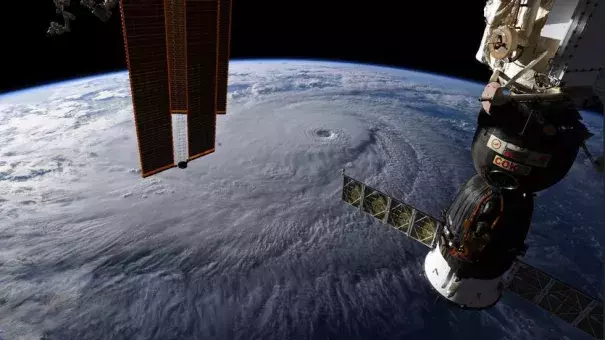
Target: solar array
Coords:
[[178, 57], [558, 298], [407, 219]]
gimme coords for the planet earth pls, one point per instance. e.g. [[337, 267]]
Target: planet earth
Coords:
[[253, 241]]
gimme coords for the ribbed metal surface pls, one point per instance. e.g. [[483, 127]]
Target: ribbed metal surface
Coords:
[[202, 31], [179, 136], [145, 42], [223, 55]]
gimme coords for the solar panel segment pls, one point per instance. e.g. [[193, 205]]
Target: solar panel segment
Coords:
[[145, 43], [224, 39]]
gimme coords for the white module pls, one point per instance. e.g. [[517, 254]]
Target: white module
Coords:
[[544, 45], [467, 292]]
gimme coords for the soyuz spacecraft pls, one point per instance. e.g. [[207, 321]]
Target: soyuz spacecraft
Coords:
[[548, 61]]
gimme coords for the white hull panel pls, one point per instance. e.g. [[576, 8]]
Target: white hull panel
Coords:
[[469, 293]]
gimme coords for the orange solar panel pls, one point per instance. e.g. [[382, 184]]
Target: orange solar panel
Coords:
[[173, 60], [202, 31], [224, 38], [145, 42], [176, 53]]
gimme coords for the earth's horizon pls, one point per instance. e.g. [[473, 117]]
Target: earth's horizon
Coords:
[[262, 60], [252, 241]]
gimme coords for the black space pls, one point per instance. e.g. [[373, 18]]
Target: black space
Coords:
[[437, 37]]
